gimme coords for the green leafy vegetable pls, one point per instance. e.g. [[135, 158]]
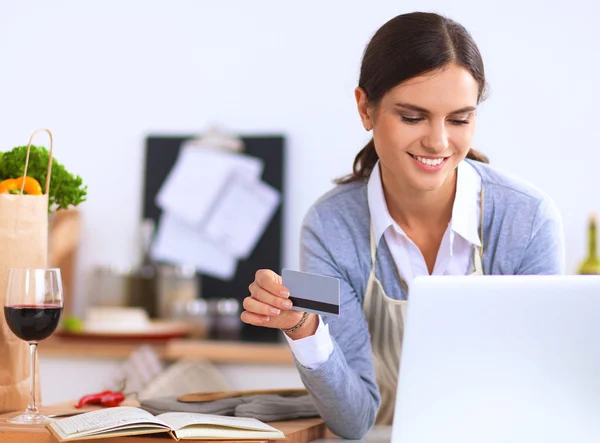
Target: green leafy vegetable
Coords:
[[66, 189]]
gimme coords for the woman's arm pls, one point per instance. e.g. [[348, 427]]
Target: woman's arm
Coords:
[[344, 386]]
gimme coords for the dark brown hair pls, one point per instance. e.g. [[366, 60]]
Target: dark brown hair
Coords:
[[405, 47]]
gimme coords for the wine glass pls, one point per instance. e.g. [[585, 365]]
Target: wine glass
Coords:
[[33, 306]]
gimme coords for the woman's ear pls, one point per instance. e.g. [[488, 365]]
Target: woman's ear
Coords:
[[364, 111]]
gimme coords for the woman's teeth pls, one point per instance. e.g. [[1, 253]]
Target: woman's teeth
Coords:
[[430, 161]]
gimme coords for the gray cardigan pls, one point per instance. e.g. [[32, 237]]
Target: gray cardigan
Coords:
[[522, 234]]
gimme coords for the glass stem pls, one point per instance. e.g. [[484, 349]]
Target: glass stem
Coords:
[[31, 406]]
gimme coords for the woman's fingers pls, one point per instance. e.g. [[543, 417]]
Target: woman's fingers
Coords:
[[254, 319], [257, 307], [262, 295], [268, 304], [271, 282]]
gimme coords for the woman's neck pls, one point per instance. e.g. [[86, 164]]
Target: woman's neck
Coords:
[[413, 209]]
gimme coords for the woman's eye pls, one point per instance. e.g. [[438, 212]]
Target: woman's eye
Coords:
[[459, 122], [412, 119]]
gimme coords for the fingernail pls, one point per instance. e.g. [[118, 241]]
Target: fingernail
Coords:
[[287, 304], [285, 293], [274, 311]]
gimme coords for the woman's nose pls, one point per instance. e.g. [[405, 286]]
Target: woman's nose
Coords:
[[436, 139]]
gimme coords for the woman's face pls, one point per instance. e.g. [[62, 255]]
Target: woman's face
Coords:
[[423, 128]]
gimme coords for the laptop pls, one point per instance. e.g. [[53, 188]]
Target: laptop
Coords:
[[506, 359]]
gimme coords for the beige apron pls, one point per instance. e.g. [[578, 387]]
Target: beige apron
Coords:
[[385, 317]]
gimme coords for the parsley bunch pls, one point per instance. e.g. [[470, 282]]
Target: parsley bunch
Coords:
[[66, 189]]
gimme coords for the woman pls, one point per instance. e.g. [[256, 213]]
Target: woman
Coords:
[[420, 201]]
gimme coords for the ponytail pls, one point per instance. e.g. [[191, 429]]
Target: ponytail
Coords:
[[364, 163], [477, 156]]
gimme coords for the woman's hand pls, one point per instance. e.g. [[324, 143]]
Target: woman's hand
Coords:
[[268, 305]]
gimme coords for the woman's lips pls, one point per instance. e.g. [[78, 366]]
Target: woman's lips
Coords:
[[429, 163]]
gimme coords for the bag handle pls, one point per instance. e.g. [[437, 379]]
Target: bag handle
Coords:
[[49, 160]]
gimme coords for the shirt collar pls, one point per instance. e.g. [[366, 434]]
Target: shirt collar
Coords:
[[465, 211]]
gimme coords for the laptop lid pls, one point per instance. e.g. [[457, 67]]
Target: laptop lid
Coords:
[[500, 359]]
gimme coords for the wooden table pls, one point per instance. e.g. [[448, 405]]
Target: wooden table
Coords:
[[296, 431]]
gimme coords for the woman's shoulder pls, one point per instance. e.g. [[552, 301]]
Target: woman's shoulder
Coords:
[[517, 199], [341, 211], [343, 199], [504, 184]]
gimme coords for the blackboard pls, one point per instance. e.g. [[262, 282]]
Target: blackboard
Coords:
[[160, 156]]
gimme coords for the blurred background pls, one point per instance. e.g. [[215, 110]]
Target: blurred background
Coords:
[[110, 78]]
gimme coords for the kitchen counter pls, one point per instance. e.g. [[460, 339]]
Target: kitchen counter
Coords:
[[296, 431]]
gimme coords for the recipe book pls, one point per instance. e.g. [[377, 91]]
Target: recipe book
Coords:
[[128, 420]]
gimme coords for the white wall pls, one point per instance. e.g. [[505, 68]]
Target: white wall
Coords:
[[104, 74]]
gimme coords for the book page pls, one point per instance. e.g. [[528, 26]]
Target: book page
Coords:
[[106, 419], [178, 420], [210, 432]]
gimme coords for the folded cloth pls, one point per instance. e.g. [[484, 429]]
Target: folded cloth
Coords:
[[264, 407], [158, 405], [269, 407]]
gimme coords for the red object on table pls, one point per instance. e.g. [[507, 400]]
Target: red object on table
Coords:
[[105, 398]]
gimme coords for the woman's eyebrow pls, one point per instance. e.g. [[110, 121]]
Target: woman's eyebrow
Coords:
[[425, 111]]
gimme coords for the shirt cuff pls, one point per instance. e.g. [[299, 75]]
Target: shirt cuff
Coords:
[[314, 350]]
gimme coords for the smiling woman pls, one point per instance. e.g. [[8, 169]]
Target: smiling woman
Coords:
[[423, 124], [420, 201]]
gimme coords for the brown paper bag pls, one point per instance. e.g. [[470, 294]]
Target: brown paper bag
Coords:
[[23, 243]]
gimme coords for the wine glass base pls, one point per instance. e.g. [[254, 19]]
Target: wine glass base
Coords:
[[30, 418]]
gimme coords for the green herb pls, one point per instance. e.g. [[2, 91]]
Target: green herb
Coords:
[[66, 189]]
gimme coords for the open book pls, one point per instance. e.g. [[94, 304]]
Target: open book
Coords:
[[128, 420]]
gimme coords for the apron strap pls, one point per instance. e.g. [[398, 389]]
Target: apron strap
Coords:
[[373, 249], [481, 195], [478, 252]]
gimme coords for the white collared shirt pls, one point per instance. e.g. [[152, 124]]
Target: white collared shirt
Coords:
[[455, 252], [453, 258]]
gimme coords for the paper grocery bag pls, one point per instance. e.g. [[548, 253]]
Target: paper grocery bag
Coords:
[[23, 243]]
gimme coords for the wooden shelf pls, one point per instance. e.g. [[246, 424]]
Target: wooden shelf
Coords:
[[230, 352], [62, 347], [215, 351]]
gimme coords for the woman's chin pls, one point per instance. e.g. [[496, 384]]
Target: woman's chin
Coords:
[[429, 182], [427, 187]]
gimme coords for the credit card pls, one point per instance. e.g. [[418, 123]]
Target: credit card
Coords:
[[314, 293]]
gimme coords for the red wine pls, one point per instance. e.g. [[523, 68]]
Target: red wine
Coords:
[[32, 323]]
